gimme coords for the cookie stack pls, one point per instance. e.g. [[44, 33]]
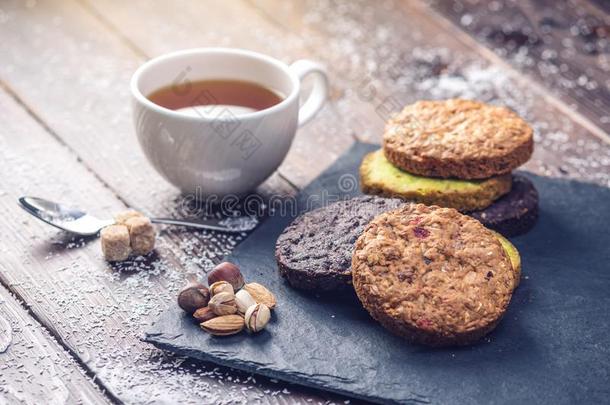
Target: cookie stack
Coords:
[[459, 154], [426, 272]]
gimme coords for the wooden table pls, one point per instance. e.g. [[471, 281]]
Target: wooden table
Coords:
[[69, 322]]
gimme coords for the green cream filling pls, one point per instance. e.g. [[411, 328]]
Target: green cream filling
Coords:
[[380, 170], [511, 251]]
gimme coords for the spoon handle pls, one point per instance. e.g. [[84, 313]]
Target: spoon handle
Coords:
[[231, 225]]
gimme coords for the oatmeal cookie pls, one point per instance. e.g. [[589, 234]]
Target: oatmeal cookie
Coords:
[[432, 275], [457, 138], [315, 251], [378, 176]]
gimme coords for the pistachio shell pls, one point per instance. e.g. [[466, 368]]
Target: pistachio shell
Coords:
[[221, 286], [257, 317], [223, 303], [244, 300]]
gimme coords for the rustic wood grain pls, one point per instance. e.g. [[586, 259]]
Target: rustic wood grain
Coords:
[[403, 52], [97, 310], [69, 64], [34, 368], [563, 43], [70, 49]]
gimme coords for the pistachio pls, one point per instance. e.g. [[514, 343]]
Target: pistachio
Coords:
[[261, 294], [244, 300], [224, 325], [204, 314], [220, 286], [193, 296], [227, 272], [223, 303], [257, 317]]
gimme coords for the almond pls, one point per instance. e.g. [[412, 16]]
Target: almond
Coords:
[[260, 294], [204, 314], [224, 325]]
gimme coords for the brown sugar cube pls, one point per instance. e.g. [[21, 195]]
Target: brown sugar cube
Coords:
[[142, 234], [115, 243], [122, 217]]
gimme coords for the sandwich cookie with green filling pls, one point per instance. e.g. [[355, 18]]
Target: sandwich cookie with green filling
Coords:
[[379, 176]]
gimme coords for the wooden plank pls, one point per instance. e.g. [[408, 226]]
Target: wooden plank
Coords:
[[97, 310], [563, 44], [34, 368], [70, 34], [191, 24], [403, 52], [92, 118], [68, 49]]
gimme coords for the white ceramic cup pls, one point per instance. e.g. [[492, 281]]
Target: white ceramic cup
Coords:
[[214, 151]]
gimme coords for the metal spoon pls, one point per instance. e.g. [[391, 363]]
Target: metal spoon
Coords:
[[79, 222]]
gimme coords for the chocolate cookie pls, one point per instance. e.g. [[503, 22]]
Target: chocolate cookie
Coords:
[[457, 138], [315, 251], [513, 214], [378, 176], [432, 275]]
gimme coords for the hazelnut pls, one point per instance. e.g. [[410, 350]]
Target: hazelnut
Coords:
[[223, 325], [227, 272], [204, 314], [193, 296], [221, 286]]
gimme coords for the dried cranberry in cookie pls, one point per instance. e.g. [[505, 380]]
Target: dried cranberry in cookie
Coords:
[[432, 275]]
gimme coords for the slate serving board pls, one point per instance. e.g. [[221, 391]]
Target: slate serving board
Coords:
[[552, 346]]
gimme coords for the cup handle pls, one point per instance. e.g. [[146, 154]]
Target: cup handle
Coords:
[[316, 99]]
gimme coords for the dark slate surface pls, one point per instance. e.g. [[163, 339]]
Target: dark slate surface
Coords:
[[552, 346]]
